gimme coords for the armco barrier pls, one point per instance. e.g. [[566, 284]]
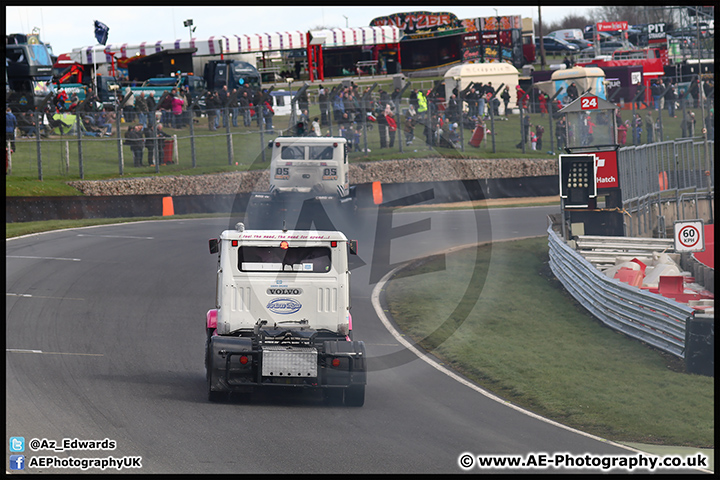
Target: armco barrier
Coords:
[[653, 319]]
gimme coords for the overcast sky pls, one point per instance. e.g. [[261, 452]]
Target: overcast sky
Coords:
[[66, 28]]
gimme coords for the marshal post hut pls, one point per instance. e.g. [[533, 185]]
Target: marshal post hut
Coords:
[[590, 168]]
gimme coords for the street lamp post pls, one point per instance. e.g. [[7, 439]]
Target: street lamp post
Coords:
[[293, 118], [189, 23]]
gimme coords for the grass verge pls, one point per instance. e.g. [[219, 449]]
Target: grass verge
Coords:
[[528, 341], [27, 228]]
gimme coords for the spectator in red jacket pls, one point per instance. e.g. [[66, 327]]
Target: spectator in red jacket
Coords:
[[392, 128]]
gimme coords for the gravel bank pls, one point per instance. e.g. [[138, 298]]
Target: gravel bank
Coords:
[[388, 171]]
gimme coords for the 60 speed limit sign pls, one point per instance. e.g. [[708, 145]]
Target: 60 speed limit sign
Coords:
[[689, 236]]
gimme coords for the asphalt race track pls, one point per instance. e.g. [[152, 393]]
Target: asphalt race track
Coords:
[[105, 340]]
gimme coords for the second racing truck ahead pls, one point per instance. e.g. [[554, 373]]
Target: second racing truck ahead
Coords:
[[310, 173]]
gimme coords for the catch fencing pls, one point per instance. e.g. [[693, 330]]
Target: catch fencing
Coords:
[[76, 148], [665, 179]]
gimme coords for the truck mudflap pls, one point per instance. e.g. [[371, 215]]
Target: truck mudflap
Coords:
[[240, 364]]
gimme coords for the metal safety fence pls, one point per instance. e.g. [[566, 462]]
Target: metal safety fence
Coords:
[[651, 318]]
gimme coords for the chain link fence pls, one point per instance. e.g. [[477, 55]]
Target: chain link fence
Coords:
[[98, 144]]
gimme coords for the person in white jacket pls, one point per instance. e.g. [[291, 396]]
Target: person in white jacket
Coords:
[[316, 127]]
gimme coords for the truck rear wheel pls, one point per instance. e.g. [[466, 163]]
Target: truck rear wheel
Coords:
[[355, 396], [333, 396], [208, 335], [216, 396], [213, 396]]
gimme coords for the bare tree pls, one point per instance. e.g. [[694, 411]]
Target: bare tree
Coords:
[[575, 21], [636, 15], [569, 21]]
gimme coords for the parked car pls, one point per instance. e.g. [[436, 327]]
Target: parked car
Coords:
[[566, 34], [581, 43], [637, 36], [556, 45], [604, 36], [706, 31], [607, 48]]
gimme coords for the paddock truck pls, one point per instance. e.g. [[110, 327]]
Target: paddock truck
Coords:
[[310, 173], [282, 315]]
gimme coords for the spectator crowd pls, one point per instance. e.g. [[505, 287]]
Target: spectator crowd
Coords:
[[349, 110]]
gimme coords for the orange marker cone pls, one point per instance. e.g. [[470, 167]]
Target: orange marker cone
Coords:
[[168, 209], [377, 193]]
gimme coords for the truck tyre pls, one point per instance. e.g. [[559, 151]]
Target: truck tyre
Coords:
[[216, 396], [213, 396], [208, 332], [355, 396], [333, 396]]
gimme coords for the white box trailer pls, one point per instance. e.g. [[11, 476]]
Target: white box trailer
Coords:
[[497, 73], [282, 315]]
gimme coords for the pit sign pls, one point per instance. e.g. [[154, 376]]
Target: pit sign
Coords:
[[689, 236]]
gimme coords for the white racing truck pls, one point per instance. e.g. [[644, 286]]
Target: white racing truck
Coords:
[[305, 172], [282, 315]]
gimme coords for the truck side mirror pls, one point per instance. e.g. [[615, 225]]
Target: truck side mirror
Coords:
[[353, 247], [214, 245]]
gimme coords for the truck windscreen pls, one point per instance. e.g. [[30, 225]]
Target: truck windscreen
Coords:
[[314, 153], [292, 153], [277, 259], [39, 55], [321, 153]]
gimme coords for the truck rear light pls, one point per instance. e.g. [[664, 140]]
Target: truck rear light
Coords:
[[335, 145], [284, 245], [333, 243], [243, 360], [234, 243], [277, 144], [335, 362]]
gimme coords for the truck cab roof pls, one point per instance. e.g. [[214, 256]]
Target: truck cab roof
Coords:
[[161, 82], [275, 236]]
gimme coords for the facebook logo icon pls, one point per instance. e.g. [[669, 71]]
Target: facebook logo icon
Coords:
[[17, 462], [17, 444]]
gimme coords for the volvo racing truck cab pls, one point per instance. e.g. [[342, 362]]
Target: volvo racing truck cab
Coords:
[[303, 171], [282, 315], [316, 165]]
